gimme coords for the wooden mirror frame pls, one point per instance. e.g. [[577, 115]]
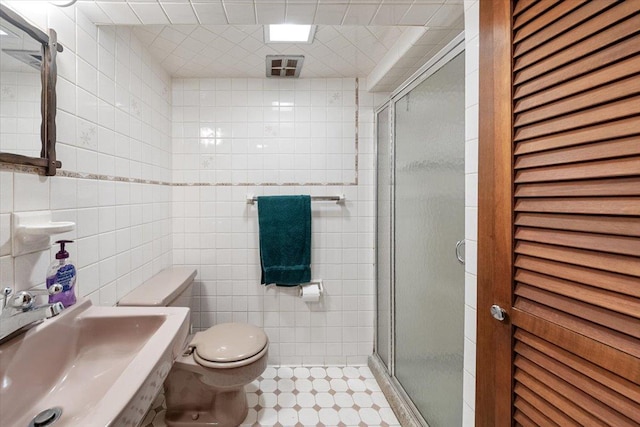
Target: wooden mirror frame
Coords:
[[48, 71]]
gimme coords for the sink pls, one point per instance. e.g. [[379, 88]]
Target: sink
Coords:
[[102, 365]]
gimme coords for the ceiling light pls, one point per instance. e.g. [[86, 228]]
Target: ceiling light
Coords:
[[289, 33]]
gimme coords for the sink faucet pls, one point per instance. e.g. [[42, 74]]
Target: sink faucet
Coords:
[[20, 310]]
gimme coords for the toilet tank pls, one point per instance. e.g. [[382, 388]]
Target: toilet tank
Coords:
[[169, 288]]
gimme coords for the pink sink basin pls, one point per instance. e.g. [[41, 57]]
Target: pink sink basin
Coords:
[[102, 365]]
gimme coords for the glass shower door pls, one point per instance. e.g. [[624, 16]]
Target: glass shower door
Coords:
[[429, 219]]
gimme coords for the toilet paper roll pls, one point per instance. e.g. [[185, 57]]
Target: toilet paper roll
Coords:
[[310, 293]]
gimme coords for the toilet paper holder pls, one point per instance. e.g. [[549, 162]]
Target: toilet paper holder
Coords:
[[313, 282]]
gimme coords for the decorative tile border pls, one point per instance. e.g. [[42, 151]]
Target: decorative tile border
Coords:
[[100, 177], [11, 167], [263, 184]]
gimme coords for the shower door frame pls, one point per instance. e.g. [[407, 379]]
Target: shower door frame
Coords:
[[449, 52], [391, 135]]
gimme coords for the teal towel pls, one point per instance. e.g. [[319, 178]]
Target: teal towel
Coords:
[[285, 239]]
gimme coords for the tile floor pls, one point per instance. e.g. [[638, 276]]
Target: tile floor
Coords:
[[331, 396]]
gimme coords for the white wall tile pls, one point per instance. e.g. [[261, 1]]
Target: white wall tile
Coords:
[[30, 270], [471, 190], [128, 261], [63, 193], [5, 234], [216, 231], [470, 290], [64, 26], [6, 271], [6, 192], [469, 390], [31, 192], [471, 17], [471, 120]]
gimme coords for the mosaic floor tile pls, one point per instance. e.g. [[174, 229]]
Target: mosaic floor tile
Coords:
[[301, 397]]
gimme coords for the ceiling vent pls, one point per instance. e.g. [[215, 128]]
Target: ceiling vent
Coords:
[[284, 65]]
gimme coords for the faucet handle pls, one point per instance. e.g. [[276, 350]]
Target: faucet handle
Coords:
[[26, 299]]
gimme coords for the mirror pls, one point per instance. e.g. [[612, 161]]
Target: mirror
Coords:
[[27, 93]]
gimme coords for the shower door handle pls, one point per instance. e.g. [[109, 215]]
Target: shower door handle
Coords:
[[459, 257]]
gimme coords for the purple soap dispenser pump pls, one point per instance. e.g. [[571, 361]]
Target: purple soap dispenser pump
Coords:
[[63, 272]]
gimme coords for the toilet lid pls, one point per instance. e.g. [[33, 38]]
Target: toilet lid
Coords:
[[229, 342]]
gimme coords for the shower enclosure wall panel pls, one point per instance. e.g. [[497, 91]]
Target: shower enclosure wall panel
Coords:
[[425, 196]]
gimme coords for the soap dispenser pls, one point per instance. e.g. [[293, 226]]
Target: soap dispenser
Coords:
[[63, 272]]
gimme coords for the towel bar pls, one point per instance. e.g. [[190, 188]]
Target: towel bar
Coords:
[[251, 200]]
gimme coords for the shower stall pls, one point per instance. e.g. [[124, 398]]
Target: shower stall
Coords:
[[420, 246]]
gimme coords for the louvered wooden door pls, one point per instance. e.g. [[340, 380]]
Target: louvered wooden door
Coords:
[[570, 268]]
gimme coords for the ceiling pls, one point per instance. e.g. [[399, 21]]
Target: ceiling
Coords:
[[239, 50], [223, 38]]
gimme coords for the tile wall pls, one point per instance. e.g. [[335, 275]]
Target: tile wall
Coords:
[[471, 18], [115, 121], [291, 139], [114, 140], [259, 131]]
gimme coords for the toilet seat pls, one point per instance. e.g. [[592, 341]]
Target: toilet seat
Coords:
[[229, 345]]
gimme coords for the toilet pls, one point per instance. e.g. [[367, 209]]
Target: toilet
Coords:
[[206, 383]]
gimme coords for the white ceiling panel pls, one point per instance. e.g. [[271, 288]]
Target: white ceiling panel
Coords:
[[119, 13], [93, 12], [199, 51], [270, 13], [359, 14], [300, 13], [172, 34], [180, 13], [224, 38], [210, 13], [239, 13], [390, 14], [417, 55], [330, 14], [236, 34], [447, 16], [202, 34], [419, 13], [149, 13]]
